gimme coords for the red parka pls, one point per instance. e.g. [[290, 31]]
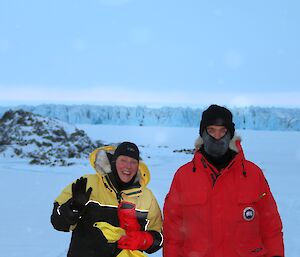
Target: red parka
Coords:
[[233, 217]]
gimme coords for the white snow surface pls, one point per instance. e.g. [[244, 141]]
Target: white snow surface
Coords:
[[28, 192]]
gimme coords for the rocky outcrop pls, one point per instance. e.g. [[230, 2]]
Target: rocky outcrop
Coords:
[[42, 140]]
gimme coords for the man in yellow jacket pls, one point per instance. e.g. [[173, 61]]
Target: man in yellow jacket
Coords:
[[111, 210]]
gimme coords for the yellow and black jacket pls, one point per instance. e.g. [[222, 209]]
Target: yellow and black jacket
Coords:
[[87, 239]]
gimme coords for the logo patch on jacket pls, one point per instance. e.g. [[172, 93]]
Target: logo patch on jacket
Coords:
[[248, 213]]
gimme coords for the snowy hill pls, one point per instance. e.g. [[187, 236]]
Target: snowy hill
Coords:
[[42, 140], [257, 118]]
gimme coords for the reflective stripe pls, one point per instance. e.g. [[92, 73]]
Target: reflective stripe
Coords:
[[162, 239], [103, 205], [146, 226], [113, 206], [57, 209]]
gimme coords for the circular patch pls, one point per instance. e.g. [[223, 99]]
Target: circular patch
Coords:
[[248, 213]]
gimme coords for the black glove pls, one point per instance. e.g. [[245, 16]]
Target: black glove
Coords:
[[79, 194]]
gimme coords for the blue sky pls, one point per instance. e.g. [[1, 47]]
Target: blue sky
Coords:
[[150, 52]]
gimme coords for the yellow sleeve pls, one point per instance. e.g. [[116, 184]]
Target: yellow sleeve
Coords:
[[154, 216], [65, 195]]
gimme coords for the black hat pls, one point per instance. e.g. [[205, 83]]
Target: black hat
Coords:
[[217, 115], [128, 149]]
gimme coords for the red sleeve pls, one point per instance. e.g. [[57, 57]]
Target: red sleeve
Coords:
[[173, 238], [271, 225]]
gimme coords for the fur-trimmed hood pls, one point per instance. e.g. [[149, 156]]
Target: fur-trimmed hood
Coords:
[[100, 162], [233, 145]]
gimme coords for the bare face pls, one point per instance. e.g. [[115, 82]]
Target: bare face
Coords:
[[216, 131], [126, 167]]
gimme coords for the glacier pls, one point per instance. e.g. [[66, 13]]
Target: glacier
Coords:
[[252, 117]]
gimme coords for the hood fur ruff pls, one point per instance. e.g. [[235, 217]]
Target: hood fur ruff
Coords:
[[232, 144], [100, 162]]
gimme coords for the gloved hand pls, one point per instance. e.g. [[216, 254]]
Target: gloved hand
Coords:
[[79, 194], [136, 240], [127, 217]]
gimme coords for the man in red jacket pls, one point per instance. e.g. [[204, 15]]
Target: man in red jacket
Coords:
[[220, 204]]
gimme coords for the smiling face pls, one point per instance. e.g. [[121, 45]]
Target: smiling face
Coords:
[[127, 168]]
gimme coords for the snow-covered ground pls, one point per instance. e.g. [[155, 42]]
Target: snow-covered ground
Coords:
[[27, 192]]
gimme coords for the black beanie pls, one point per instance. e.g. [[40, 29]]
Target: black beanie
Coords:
[[217, 115], [128, 149]]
